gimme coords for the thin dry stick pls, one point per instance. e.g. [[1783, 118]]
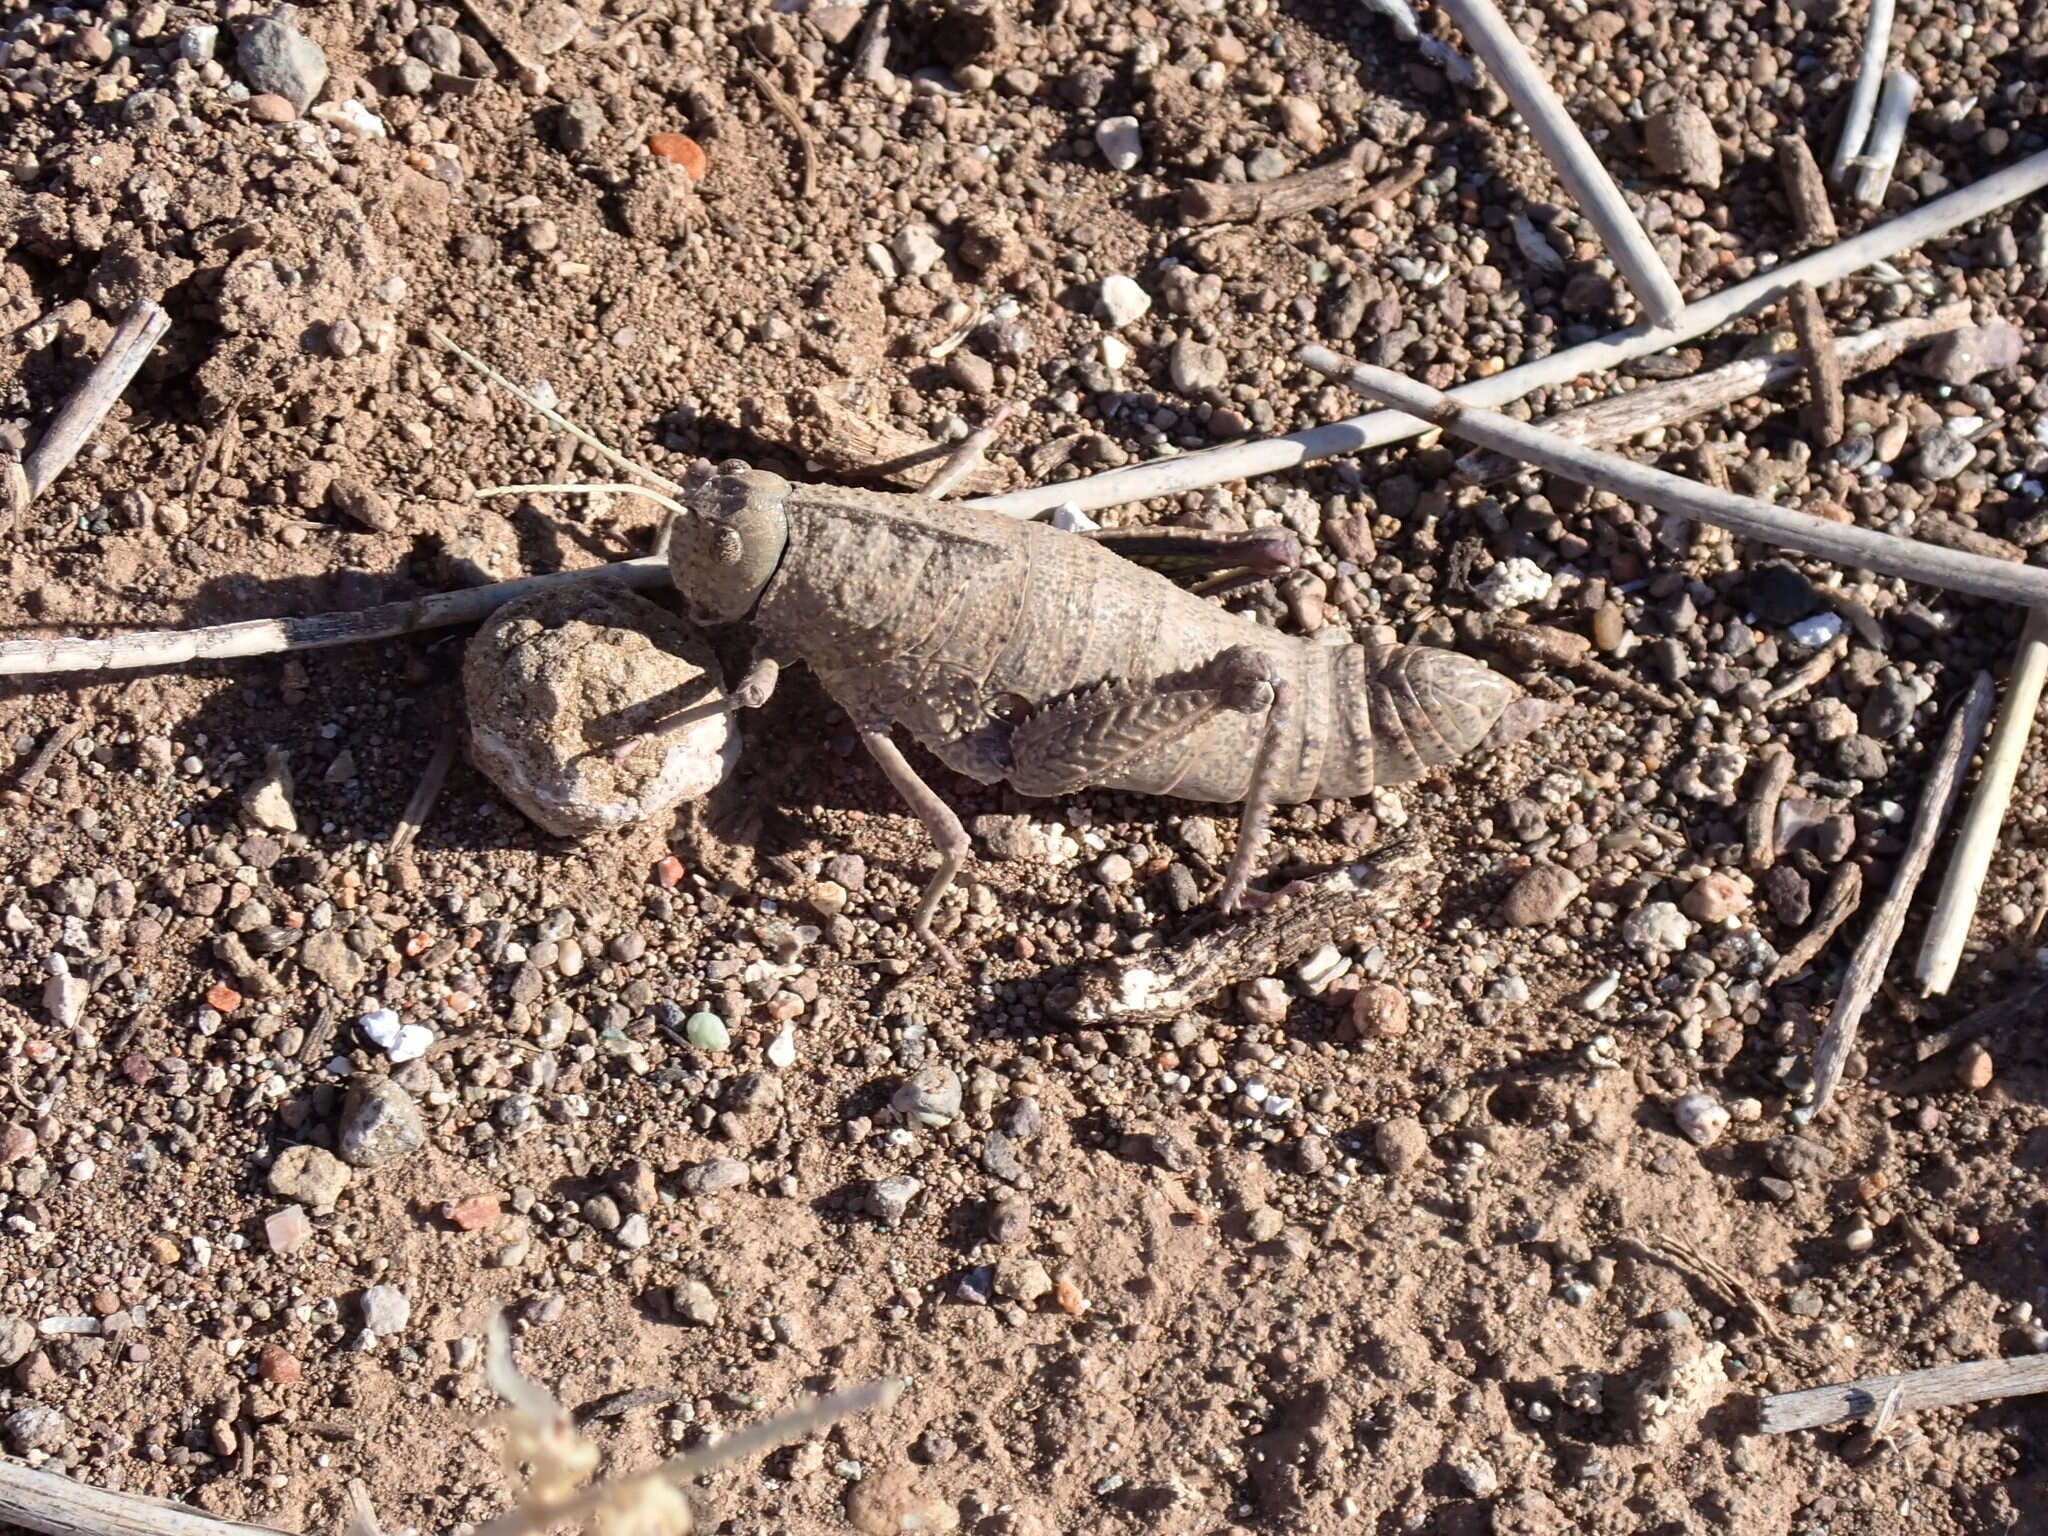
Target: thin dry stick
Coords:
[[1838, 903], [1339, 182], [1841, 543], [1941, 1386], [1653, 407], [1867, 966], [1570, 156], [1376, 429], [1825, 414], [73, 426], [1760, 819], [1942, 949], [268, 637], [1116, 487], [46, 755], [1816, 667], [792, 114], [1806, 191], [1877, 43], [963, 459], [425, 793], [57, 1506], [1894, 108]]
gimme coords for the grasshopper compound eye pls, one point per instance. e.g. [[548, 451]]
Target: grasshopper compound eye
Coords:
[[727, 546]]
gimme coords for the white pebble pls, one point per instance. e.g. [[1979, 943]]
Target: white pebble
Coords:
[[916, 249], [1121, 302], [1657, 928], [1597, 995], [1817, 630], [1512, 584], [1701, 1118], [1114, 351], [1122, 145], [782, 1049]]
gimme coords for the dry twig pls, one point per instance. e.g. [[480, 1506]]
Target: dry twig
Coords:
[[1565, 147], [1323, 186], [432, 779], [1826, 415], [1867, 966], [1654, 407], [1877, 43], [46, 757], [1760, 818], [57, 1506], [1941, 1386], [1841, 543], [966, 455], [1806, 191], [1376, 429], [1838, 903], [1969, 861], [792, 114], [74, 424], [1894, 108]]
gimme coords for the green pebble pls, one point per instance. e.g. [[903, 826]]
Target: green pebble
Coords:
[[707, 1032]]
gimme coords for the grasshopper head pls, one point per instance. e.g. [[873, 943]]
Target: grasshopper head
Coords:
[[724, 551]]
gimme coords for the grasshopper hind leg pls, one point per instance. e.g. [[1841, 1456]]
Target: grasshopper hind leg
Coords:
[[947, 835]]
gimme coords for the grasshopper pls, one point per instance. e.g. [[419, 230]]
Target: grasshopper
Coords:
[[1017, 653]]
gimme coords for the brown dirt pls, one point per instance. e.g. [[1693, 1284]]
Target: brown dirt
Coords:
[[1301, 1270]]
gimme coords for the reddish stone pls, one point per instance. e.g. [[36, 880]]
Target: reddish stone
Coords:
[[475, 1214], [278, 1365]]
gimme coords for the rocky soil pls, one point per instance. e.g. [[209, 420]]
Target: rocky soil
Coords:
[[1494, 1217]]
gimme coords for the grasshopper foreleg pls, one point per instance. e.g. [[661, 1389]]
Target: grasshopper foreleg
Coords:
[[1258, 802], [753, 691]]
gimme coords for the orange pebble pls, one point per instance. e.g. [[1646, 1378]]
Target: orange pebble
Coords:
[[1068, 1298], [680, 149], [276, 1365], [669, 871], [223, 998], [474, 1214]]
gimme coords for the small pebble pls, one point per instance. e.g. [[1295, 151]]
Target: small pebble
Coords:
[[1120, 141], [1401, 1143], [1974, 1068], [1540, 897], [1701, 1118], [707, 1032], [1121, 302]]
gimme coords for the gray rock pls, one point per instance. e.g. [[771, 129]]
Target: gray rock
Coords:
[[889, 1199], [312, 1175], [276, 57], [999, 1159], [17, 1339], [1009, 1219], [1960, 356], [581, 125], [694, 1303], [1540, 897], [1798, 1157], [1121, 302], [386, 1310], [328, 959], [1681, 143], [438, 47], [1944, 453], [380, 1123], [554, 680], [1022, 1280], [714, 1176], [1401, 1143], [1196, 367], [34, 1427], [931, 1097]]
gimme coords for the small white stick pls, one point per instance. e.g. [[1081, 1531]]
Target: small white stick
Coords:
[[1376, 429], [1894, 107], [1877, 45], [72, 427], [1942, 949], [1570, 156], [1841, 543]]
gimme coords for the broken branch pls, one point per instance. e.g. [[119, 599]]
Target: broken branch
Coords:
[[1867, 965], [1942, 949], [1376, 429], [73, 426], [1654, 407], [1877, 43], [1941, 1386], [1841, 543], [1321, 186], [57, 1506]]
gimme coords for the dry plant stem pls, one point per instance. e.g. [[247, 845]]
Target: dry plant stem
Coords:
[[46, 755], [1654, 407], [1247, 461], [1760, 820], [1826, 415], [57, 1506], [1943, 1386], [1838, 542], [1322, 186], [1867, 966], [1116, 487], [2022, 1008], [14, 496], [830, 433], [74, 424], [1817, 666], [1894, 108], [1806, 191], [1838, 903], [805, 1419], [964, 458], [1877, 43], [269, 637], [425, 793], [1969, 861], [1570, 156], [792, 114]]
